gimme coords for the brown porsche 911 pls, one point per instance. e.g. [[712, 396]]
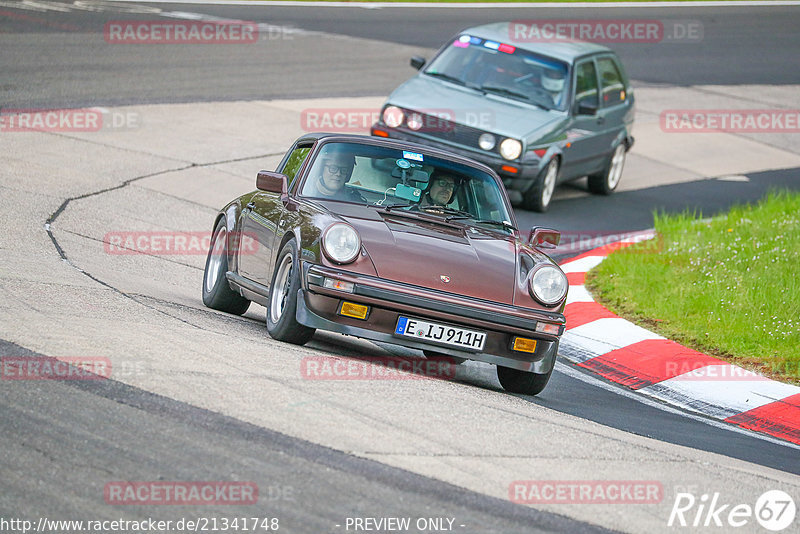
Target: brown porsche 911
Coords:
[[394, 242]]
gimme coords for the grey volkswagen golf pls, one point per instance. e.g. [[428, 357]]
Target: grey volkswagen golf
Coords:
[[538, 113]]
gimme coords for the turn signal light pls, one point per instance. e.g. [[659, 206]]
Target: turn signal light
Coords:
[[545, 328], [358, 311], [522, 344]]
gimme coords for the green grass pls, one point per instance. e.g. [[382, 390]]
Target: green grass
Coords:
[[728, 286]]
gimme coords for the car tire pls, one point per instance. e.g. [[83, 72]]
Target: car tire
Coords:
[[538, 197], [440, 356], [282, 306], [527, 383], [217, 293], [604, 183]]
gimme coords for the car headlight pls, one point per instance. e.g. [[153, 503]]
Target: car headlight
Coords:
[[487, 141], [341, 243], [415, 121], [510, 149], [393, 116], [548, 285]]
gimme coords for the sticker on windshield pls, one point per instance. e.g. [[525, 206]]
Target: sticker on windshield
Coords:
[[412, 155], [403, 164]]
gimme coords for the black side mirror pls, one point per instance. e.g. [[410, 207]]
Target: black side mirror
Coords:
[[587, 108], [417, 62], [272, 182], [544, 237]]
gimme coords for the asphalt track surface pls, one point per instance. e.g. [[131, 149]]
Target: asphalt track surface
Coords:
[[117, 422], [60, 59]]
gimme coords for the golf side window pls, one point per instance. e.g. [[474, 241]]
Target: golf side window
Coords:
[[586, 84], [612, 88]]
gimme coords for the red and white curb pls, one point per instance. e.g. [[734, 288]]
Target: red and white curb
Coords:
[[655, 366]]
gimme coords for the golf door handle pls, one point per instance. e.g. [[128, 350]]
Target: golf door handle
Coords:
[[251, 205]]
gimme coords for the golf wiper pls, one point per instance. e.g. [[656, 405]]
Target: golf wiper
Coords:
[[449, 78], [504, 91]]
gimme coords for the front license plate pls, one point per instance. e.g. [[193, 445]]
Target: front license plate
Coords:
[[440, 333]]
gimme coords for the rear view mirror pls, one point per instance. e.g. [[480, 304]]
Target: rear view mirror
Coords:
[[272, 182], [417, 62], [544, 237]]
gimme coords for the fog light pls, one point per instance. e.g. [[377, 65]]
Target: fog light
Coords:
[[341, 285], [349, 309], [522, 344], [545, 328]]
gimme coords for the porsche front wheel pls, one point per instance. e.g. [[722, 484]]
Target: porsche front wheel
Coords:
[[281, 320], [524, 382], [217, 294]]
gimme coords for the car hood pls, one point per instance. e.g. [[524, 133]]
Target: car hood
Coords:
[[441, 257], [490, 112]]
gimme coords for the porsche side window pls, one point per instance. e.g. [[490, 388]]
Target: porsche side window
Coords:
[[612, 88], [294, 163], [586, 83]]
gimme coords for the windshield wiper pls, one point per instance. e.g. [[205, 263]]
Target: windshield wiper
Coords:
[[449, 78], [504, 224], [511, 92], [389, 207], [454, 213], [503, 91]]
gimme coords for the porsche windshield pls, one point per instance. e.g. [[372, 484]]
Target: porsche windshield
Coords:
[[502, 69], [406, 180]]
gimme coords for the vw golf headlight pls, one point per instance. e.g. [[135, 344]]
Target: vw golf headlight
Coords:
[[393, 116], [486, 141], [548, 285], [510, 149], [341, 243]]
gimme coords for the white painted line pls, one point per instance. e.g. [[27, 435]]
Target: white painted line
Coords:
[[719, 397], [734, 178], [521, 5], [582, 265], [578, 294], [593, 380], [604, 335]]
